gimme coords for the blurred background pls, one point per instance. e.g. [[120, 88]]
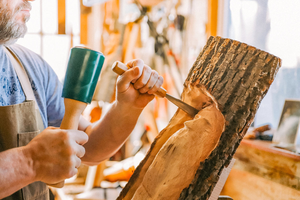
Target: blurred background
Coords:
[[168, 35], [271, 25]]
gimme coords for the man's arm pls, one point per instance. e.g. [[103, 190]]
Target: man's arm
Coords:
[[109, 134], [15, 171], [135, 89]]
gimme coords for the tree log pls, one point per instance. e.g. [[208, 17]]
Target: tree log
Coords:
[[238, 76]]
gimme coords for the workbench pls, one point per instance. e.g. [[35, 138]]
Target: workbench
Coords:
[[263, 172]]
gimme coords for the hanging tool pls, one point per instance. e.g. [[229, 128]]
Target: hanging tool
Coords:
[[120, 68]]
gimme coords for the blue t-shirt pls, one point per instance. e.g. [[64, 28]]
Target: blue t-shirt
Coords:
[[46, 87]]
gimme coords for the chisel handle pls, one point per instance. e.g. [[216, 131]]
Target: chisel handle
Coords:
[[119, 68]]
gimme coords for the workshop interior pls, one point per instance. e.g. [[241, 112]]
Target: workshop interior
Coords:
[[243, 54]]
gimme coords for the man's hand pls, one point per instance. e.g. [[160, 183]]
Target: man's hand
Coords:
[[56, 153], [136, 86], [135, 89]]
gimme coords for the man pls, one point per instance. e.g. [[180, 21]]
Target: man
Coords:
[[54, 154]]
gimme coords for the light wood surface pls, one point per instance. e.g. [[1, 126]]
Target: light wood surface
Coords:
[[242, 185], [262, 171], [73, 110]]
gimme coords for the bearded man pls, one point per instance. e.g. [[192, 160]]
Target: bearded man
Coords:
[[33, 152]]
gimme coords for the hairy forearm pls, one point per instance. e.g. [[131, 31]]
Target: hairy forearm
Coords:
[[15, 171], [109, 134]]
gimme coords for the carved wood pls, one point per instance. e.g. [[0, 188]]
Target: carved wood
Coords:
[[238, 76]]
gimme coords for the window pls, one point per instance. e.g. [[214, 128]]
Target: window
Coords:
[[273, 26], [43, 38]]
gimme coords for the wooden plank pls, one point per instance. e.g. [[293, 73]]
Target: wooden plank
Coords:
[[260, 158], [247, 186], [131, 42], [61, 8], [223, 177], [268, 147]]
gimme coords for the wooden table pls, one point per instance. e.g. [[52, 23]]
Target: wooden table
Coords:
[[263, 172]]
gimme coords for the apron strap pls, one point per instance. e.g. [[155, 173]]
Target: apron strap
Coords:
[[22, 75]]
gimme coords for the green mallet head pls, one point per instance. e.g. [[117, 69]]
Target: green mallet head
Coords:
[[82, 74]]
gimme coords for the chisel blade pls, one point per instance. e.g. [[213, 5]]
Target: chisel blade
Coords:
[[184, 106]]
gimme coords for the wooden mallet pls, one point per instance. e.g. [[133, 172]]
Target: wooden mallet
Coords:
[[81, 78]]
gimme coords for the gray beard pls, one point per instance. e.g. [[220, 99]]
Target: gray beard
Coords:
[[10, 30]]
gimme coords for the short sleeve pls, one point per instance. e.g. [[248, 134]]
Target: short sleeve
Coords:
[[45, 85], [55, 104]]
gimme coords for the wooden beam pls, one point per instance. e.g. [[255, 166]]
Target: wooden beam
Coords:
[[61, 16], [84, 13], [212, 22]]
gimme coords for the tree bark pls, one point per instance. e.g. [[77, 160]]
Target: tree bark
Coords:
[[238, 76]]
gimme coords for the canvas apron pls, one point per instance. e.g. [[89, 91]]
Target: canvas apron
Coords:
[[19, 124]]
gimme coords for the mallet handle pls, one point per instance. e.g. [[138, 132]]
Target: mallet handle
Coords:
[[73, 110]]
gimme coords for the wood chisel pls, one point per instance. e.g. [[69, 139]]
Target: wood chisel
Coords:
[[120, 68]]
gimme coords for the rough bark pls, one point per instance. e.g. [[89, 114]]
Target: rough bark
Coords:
[[238, 76]]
